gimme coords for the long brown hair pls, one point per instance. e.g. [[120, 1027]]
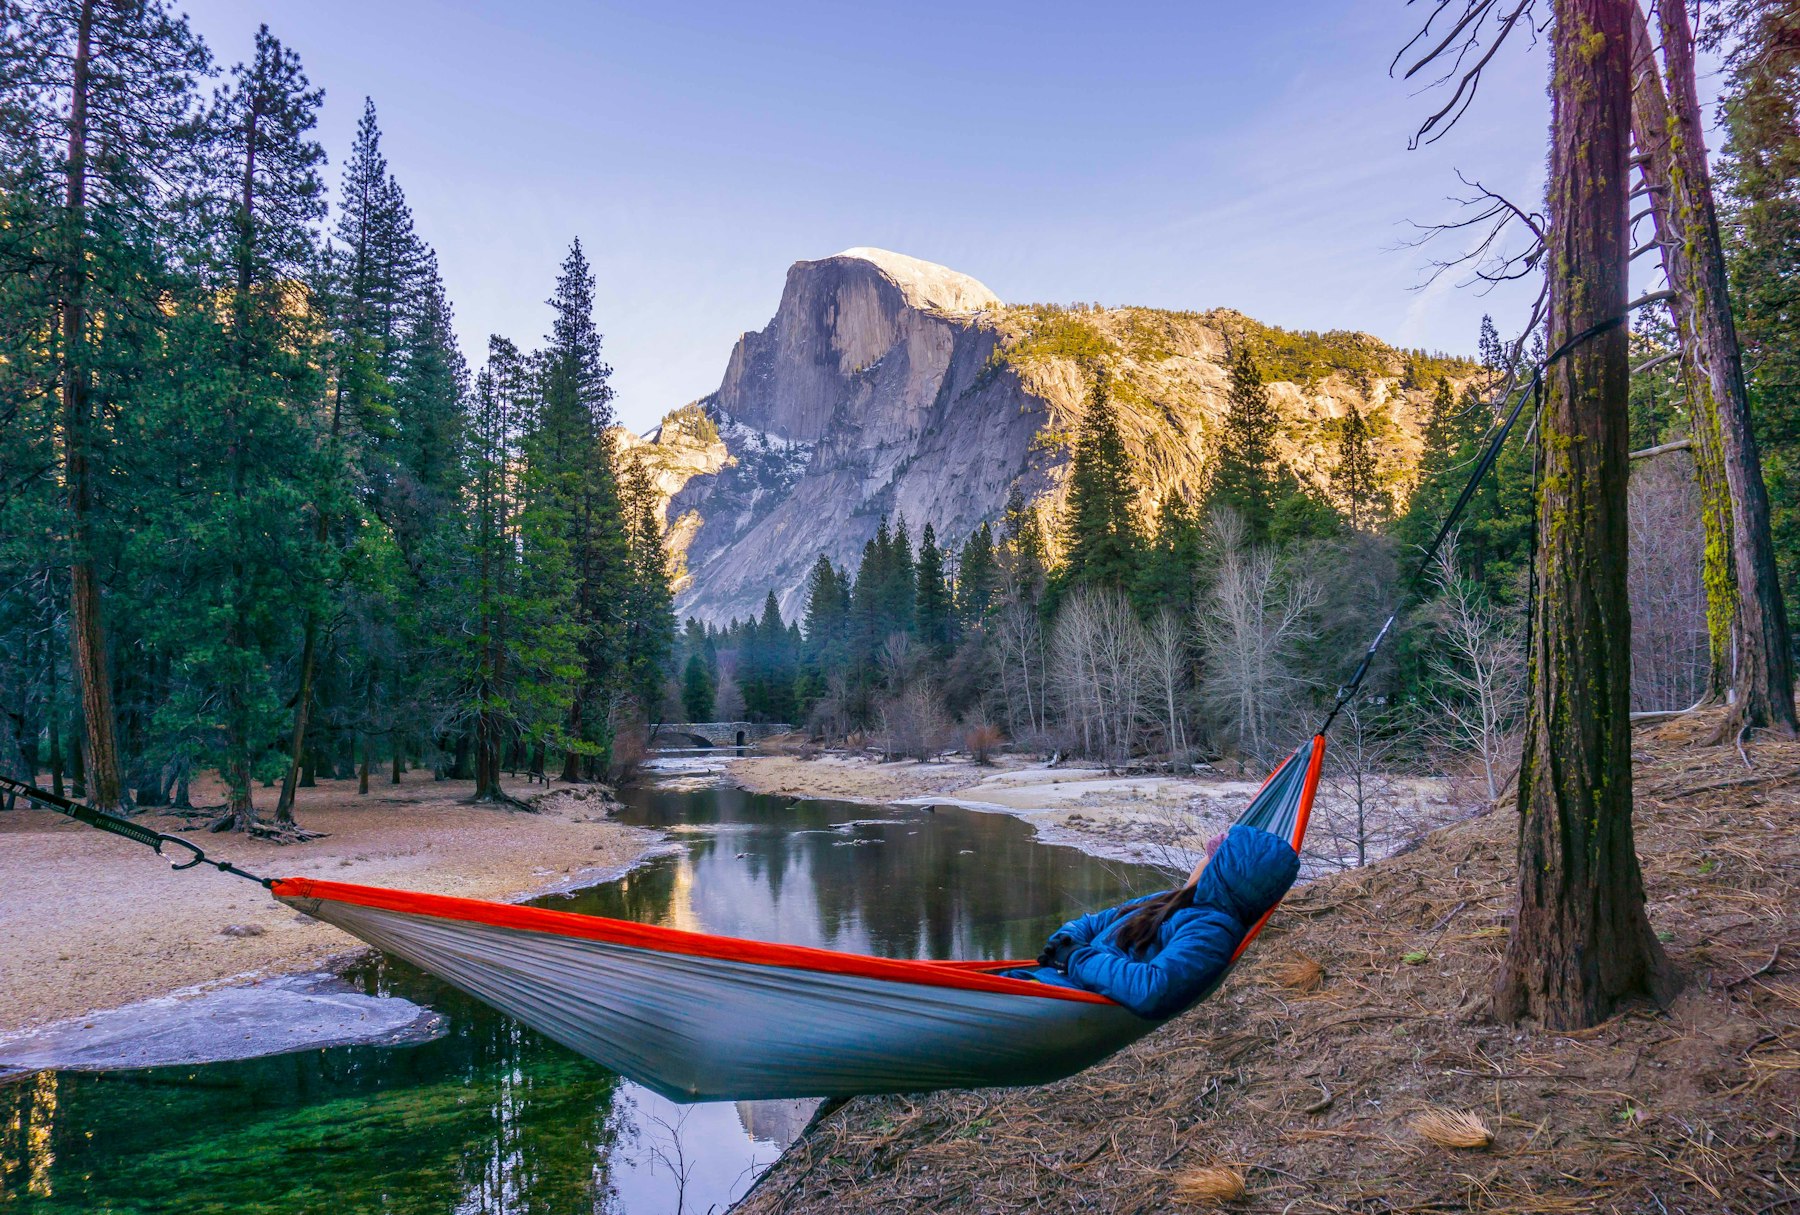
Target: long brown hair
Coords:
[[1137, 932]]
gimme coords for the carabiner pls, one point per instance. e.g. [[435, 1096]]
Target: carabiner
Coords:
[[199, 856]]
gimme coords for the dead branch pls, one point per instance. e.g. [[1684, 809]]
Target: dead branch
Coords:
[[1452, 51]]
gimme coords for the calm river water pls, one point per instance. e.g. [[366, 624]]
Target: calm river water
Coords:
[[491, 1119]]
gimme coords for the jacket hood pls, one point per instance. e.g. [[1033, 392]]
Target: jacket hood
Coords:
[[1249, 873]]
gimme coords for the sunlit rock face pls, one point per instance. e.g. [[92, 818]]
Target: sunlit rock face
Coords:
[[889, 386]]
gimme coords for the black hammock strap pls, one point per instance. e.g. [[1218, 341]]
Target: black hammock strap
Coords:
[[1489, 456], [135, 832]]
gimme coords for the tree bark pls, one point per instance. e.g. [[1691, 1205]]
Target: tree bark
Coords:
[[87, 633], [1762, 678], [240, 805], [571, 759], [297, 753], [1581, 941], [1650, 131]]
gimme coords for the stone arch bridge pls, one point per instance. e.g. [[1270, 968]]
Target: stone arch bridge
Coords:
[[714, 733]]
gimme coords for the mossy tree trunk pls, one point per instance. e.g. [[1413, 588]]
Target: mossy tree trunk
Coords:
[[1581, 941], [1650, 127], [1743, 585]]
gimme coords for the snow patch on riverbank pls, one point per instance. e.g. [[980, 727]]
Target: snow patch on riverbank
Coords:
[[215, 1024]]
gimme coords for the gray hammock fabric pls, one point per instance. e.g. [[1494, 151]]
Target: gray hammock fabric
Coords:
[[697, 1017]]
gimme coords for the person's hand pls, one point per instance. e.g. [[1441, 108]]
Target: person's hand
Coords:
[[1056, 952]]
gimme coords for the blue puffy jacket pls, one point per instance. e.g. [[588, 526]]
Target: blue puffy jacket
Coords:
[[1247, 875]]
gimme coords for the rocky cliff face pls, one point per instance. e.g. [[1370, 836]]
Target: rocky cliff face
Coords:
[[889, 386]]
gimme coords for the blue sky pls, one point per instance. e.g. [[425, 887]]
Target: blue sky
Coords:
[[1185, 155]]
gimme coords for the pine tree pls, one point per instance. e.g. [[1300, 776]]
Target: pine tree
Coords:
[[572, 432], [1021, 550], [899, 583], [776, 668], [1100, 532], [933, 612], [95, 105], [1353, 475], [648, 605], [866, 592], [241, 509], [827, 614], [1246, 475], [1492, 352], [1172, 561], [697, 688], [977, 578]]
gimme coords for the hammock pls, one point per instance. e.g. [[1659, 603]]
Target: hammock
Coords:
[[697, 1017]]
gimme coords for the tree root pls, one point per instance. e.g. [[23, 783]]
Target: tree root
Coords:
[[285, 833], [274, 833], [505, 801]]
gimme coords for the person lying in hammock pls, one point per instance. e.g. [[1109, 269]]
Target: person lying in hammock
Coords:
[[1158, 954]]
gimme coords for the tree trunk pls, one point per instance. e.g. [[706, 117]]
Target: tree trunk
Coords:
[[362, 773], [78, 774], [571, 759], [86, 632], [53, 714], [1581, 941], [1763, 679], [299, 768], [1651, 132], [398, 767]]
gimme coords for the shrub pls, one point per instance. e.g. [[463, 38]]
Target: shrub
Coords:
[[980, 741]]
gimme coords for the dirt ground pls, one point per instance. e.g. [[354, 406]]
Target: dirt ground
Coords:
[[1331, 1072], [90, 921]]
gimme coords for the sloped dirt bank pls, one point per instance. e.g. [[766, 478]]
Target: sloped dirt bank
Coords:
[[1365, 1007]]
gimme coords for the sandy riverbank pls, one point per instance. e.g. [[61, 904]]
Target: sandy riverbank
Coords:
[[89, 921], [1157, 818]]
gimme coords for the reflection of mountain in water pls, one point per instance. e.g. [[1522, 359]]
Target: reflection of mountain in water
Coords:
[[910, 884], [776, 1122]]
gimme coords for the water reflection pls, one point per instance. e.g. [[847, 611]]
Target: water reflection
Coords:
[[492, 1119]]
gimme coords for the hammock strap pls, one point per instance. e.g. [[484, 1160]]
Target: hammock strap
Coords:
[[137, 833], [1489, 457]]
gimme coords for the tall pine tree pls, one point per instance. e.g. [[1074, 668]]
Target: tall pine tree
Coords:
[[1100, 534], [1246, 476]]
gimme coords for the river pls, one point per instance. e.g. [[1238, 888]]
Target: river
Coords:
[[491, 1119]]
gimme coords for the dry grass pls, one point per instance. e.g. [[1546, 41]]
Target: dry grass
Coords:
[[1298, 973], [1209, 1185], [1690, 1110], [1453, 1129]]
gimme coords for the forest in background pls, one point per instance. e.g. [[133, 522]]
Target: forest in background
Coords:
[[255, 513]]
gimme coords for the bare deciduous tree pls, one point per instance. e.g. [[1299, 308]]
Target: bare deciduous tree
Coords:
[[914, 724], [1670, 657], [1479, 669], [1099, 671], [728, 697], [1358, 813], [1259, 611], [1019, 646], [1166, 662]]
